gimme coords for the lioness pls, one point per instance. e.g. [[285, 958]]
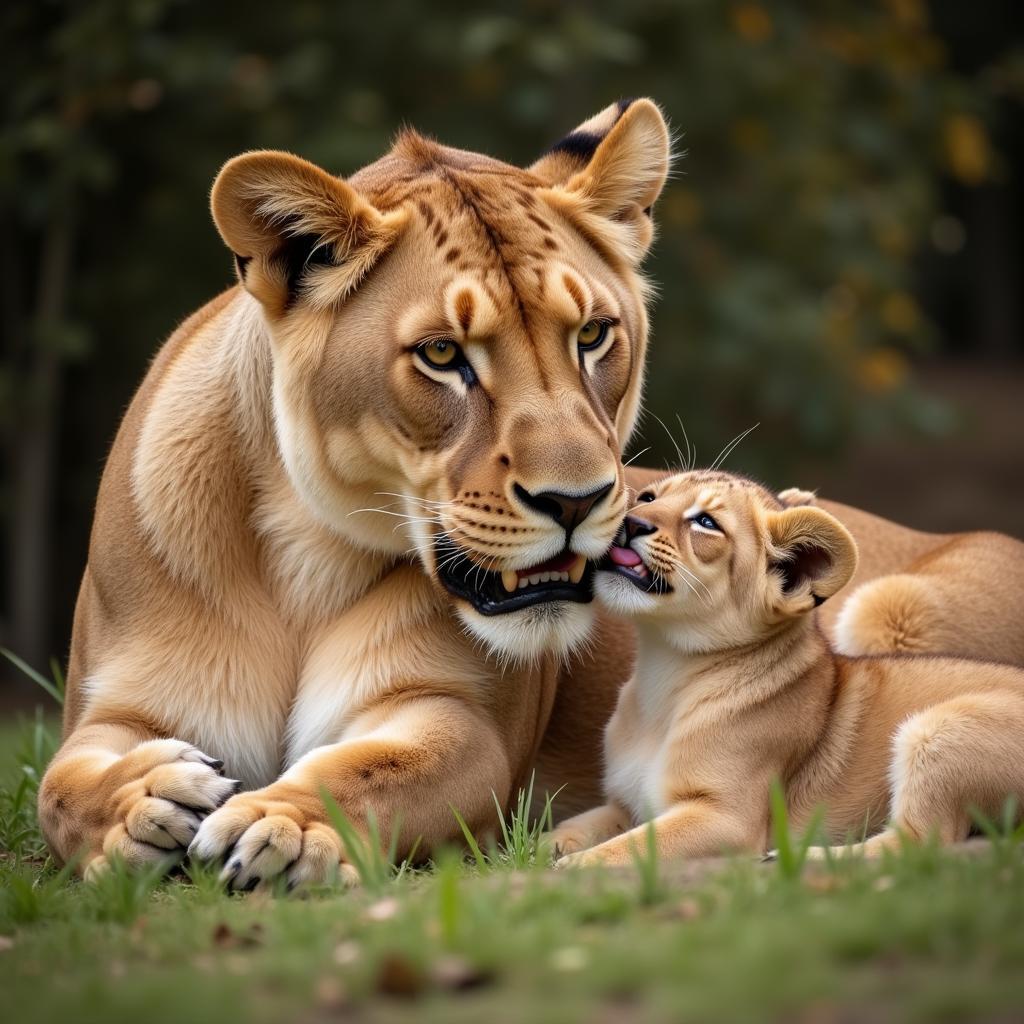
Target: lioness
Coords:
[[735, 685], [340, 531]]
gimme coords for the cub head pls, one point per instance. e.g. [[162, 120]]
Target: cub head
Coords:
[[717, 561], [458, 349]]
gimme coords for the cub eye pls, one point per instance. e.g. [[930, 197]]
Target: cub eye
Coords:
[[645, 496], [441, 353], [591, 334], [702, 519]]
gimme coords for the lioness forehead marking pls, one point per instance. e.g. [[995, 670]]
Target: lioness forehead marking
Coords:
[[464, 309], [469, 309], [575, 289]]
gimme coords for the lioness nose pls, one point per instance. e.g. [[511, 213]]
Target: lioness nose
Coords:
[[636, 527], [568, 510]]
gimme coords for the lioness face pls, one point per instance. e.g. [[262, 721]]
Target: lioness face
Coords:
[[458, 353], [718, 562]]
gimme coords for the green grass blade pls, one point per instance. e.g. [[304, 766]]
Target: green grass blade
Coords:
[[355, 847], [474, 847], [56, 691], [787, 858]]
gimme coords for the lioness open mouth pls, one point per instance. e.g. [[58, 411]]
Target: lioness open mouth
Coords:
[[625, 561], [566, 577]]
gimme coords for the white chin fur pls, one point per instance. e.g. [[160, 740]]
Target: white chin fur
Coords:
[[556, 628], [622, 597]]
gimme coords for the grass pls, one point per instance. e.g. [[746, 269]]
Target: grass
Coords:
[[495, 935]]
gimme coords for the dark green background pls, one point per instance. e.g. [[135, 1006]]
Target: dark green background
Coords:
[[844, 211]]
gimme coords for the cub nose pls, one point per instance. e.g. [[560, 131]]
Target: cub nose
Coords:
[[637, 527], [568, 510]]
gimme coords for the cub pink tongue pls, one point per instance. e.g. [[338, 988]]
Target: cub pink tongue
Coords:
[[625, 556]]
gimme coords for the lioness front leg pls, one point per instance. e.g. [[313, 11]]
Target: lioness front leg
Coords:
[[408, 762], [690, 829], [116, 789]]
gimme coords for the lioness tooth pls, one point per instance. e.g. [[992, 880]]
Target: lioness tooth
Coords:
[[576, 572], [524, 582], [510, 580], [534, 580], [563, 577]]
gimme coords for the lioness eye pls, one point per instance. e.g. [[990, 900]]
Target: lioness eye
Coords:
[[591, 334], [646, 496], [439, 352]]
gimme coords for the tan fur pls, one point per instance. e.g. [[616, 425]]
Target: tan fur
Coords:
[[736, 685], [262, 581]]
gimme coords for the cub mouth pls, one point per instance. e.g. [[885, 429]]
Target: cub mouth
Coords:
[[625, 561], [566, 577]]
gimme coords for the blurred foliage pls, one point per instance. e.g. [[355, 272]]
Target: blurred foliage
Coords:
[[811, 140]]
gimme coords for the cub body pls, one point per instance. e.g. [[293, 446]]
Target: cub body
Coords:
[[736, 684]]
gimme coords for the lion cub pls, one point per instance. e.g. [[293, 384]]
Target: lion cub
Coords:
[[735, 684]]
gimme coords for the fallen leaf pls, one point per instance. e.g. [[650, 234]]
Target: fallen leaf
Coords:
[[330, 993], [399, 976], [458, 975], [346, 953], [225, 937], [382, 910]]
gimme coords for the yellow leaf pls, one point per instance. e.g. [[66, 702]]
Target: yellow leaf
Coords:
[[751, 22], [900, 313], [884, 369], [968, 150]]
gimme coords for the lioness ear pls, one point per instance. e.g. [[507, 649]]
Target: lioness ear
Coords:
[[612, 168], [296, 229], [813, 553]]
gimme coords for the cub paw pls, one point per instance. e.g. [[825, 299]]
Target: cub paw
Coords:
[[579, 859], [262, 839], [157, 813], [564, 842]]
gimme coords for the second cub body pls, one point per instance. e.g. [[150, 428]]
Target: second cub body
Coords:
[[735, 685]]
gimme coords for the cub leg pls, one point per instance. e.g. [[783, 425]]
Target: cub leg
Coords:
[[116, 789], [964, 753], [409, 762], [589, 828], [899, 614], [959, 600], [695, 828]]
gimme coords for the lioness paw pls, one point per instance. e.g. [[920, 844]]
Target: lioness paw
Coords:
[[261, 840], [157, 812]]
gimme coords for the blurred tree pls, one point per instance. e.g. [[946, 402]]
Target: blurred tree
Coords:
[[814, 135]]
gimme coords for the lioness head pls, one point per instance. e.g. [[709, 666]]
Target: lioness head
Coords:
[[458, 349], [718, 561]]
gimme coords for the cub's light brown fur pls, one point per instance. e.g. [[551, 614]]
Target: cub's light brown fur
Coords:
[[736, 685]]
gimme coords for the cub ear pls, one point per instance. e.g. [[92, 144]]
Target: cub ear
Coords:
[[295, 229], [793, 496], [814, 554], [612, 168]]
